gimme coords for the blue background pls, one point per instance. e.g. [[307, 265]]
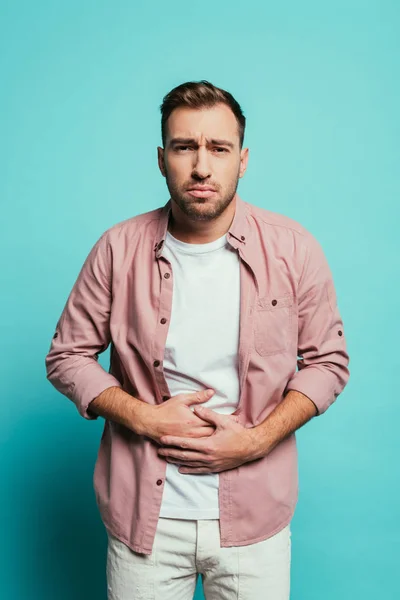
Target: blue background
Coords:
[[79, 120]]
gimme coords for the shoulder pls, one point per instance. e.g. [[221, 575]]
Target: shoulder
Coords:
[[274, 220], [134, 224], [130, 228], [284, 234]]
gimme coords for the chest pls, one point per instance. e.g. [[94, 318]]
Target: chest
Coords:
[[256, 303]]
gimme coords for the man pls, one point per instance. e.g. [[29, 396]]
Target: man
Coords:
[[225, 339]]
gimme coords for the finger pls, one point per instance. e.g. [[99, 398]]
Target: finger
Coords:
[[202, 432], [199, 444], [197, 397], [192, 464], [209, 415], [196, 470], [182, 455]]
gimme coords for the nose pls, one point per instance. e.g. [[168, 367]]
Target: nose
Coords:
[[201, 167]]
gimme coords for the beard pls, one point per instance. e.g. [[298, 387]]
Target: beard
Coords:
[[194, 208]]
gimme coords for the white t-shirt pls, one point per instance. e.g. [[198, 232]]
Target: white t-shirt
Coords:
[[201, 352]]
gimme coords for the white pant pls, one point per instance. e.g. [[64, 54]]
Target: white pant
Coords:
[[184, 548]]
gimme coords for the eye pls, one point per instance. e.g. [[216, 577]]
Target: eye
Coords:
[[220, 150], [182, 148]]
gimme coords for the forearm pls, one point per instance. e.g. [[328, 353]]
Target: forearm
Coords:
[[117, 405], [290, 414]]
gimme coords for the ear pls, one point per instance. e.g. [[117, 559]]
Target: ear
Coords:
[[244, 159], [161, 164]]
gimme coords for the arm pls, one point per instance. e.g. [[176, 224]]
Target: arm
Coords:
[[82, 333], [172, 416], [323, 360], [292, 413], [117, 405]]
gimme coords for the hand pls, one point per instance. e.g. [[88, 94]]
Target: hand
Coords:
[[230, 446], [175, 417]]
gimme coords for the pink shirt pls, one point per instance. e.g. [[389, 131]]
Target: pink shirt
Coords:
[[291, 338]]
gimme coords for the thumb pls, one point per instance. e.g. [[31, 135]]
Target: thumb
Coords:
[[198, 397], [209, 415]]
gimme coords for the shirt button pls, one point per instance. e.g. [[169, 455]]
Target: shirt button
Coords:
[[167, 275], [340, 332], [163, 321], [242, 237], [274, 302], [165, 398], [156, 363], [159, 481]]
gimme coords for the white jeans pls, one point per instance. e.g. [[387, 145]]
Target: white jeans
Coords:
[[184, 548]]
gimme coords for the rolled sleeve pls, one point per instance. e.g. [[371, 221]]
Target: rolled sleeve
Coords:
[[83, 332], [322, 355]]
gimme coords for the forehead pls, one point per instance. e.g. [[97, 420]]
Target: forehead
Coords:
[[216, 122]]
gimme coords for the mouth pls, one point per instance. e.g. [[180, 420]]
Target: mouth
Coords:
[[202, 192]]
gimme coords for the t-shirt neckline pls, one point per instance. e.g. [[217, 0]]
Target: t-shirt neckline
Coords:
[[195, 248]]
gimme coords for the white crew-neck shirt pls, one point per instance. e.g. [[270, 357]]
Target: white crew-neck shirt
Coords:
[[201, 352]]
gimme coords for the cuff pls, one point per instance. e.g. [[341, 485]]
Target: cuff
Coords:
[[318, 385], [88, 384]]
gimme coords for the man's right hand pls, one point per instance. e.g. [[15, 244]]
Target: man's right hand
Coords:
[[174, 417]]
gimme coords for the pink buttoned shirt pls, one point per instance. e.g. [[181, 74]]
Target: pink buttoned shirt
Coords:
[[291, 338]]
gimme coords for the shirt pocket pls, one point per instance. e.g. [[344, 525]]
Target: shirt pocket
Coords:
[[273, 324]]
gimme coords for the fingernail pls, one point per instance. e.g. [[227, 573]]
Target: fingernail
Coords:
[[210, 392]]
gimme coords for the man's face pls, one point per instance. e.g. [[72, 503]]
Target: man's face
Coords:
[[202, 161]]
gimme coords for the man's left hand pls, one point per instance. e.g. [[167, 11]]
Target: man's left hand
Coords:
[[230, 446]]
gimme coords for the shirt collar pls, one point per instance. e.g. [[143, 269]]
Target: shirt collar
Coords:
[[237, 234]]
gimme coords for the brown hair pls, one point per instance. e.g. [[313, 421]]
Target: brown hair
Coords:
[[200, 94]]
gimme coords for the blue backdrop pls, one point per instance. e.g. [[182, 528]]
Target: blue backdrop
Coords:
[[81, 83]]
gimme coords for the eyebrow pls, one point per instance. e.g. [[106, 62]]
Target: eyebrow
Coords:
[[214, 142]]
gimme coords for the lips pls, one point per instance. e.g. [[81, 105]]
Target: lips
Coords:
[[202, 192]]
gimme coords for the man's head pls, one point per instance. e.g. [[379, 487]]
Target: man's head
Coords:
[[202, 132]]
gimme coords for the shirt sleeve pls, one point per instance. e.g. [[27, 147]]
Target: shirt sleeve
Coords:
[[83, 332], [322, 355]]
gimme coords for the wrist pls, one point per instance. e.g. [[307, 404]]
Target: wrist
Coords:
[[142, 418], [259, 446]]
